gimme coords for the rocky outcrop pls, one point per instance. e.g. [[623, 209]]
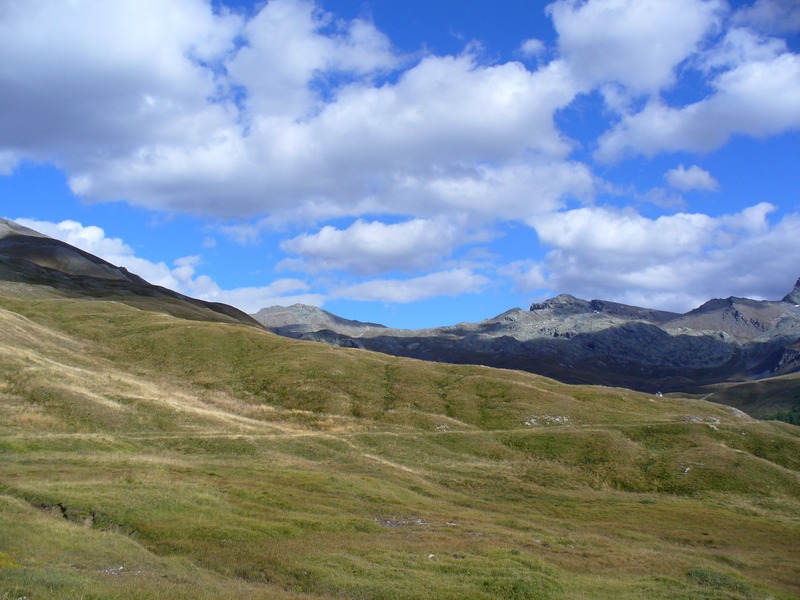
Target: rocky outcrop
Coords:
[[793, 297], [569, 305]]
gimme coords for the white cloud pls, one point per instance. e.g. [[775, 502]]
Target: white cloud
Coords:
[[531, 47], [283, 292], [758, 95], [693, 178], [514, 192], [8, 162], [636, 43], [367, 248], [663, 198], [770, 16], [291, 115], [296, 122], [287, 48], [527, 275], [740, 47], [674, 262], [602, 234], [89, 80], [93, 240], [181, 276], [453, 282], [447, 120]]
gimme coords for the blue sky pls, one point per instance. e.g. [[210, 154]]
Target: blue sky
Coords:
[[410, 162]]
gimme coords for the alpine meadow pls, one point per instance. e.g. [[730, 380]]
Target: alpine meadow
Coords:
[[154, 446], [399, 300]]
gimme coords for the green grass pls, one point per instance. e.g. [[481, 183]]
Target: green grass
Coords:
[[145, 456], [771, 398]]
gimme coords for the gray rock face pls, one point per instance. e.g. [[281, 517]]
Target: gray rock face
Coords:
[[793, 297], [589, 341], [300, 319]]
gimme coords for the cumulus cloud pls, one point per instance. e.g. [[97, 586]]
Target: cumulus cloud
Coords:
[[295, 114], [526, 275], [288, 47], [283, 292], [756, 92], [635, 43], [598, 234], [181, 276], [289, 112], [674, 262], [513, 192], [531, 47], [368, 248], [453, 282], [8, 162], [449, 135], [693, 178], [86, 81], [93, 240], [770, 16]]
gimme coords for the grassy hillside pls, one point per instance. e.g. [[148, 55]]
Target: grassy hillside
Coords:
[[763, 398], [142, 456]]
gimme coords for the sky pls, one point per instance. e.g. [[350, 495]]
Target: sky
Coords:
[[414, 163]]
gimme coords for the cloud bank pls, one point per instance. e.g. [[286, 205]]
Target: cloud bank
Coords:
[[293, 116]]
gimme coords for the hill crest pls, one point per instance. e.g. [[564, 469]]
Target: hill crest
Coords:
[[28, 257]]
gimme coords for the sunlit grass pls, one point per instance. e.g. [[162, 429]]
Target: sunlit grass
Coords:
[[146, 456]]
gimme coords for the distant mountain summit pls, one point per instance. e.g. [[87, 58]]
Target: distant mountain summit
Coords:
[[565, 304], [590, 341], [793, 297], [29, 258], [301, 319]]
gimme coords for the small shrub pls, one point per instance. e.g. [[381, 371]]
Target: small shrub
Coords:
[[716, 580]]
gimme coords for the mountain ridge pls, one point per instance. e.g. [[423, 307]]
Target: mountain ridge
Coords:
[[29, 257], [722, 341]]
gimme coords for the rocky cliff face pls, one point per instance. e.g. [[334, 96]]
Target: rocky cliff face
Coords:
[[593, 341]]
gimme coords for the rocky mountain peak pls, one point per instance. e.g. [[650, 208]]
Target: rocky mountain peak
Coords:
[[793, 297], [563, 304], [713, 305], [303, 318]]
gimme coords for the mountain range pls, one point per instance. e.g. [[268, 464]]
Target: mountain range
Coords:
[[745, 352], [722, 342]]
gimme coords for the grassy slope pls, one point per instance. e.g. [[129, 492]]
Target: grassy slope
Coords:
[[146, 456], [762, 397]]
